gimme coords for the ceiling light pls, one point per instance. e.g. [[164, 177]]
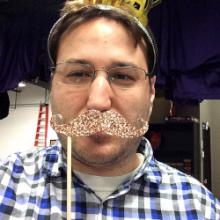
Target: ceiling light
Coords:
[[21, 84]]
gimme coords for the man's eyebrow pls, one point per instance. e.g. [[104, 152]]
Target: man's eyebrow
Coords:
[[81, 61], [111, 65], [122, 64]]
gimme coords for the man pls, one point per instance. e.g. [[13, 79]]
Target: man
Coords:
[[103, 68]]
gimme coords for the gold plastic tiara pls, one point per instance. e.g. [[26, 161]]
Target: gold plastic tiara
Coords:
[[137, 8]]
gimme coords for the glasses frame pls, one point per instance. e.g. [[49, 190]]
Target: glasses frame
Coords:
[[53, 69]]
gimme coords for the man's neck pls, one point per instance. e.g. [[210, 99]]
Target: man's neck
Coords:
[[103, 186]]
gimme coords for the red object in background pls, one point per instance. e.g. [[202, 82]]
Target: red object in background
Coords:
[[155, 139], [42, 126]]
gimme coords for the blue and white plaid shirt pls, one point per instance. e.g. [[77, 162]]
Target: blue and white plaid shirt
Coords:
[[33, 186]]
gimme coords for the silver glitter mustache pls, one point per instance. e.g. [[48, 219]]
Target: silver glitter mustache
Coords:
[[93, 121]]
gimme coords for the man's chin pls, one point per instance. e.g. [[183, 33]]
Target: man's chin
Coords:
[[96, 151], [100, 151]]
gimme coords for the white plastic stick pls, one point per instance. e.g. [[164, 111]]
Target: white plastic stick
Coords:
[[69, 177]]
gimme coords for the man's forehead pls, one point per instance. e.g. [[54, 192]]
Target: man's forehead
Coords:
[[102, 24], [99, 31]]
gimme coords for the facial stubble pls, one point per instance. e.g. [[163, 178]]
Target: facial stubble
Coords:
[[102, 151]]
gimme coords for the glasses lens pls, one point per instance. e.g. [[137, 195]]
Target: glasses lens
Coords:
[[76, 74], [126, 77]]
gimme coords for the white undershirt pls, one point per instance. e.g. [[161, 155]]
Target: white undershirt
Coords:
[[103, 186]]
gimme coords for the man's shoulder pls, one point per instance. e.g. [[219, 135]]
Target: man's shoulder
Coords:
[[28, 162], [172, 175], [184, 184], [178, 191]]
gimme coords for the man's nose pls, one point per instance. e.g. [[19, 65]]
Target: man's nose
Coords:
[[99, 94]]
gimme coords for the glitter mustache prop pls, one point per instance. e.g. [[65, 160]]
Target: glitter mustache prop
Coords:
[[93, 121], [89, 123]]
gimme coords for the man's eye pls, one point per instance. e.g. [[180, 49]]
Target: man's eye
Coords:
[[122, 77], [79, 74], [78, 77]]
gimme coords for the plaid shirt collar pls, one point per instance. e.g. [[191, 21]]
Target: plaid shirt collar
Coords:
[[54, 163]]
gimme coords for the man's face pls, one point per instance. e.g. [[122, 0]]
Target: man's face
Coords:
[[102, 43]]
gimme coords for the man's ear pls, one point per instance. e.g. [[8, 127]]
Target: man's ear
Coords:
[[152, 88]]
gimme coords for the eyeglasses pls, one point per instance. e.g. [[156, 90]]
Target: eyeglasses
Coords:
[[81, 75]]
